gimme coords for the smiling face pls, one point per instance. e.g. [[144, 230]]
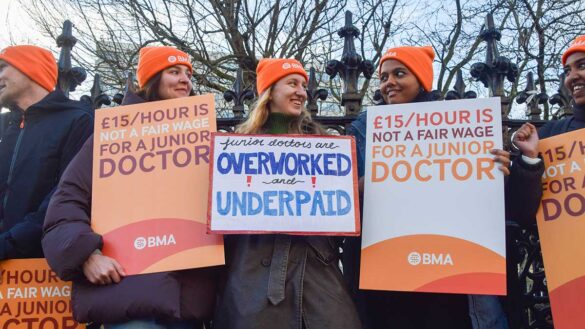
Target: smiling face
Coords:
[[575, 76], [13, 85], [289, 95], [397, 83], [175, 82]]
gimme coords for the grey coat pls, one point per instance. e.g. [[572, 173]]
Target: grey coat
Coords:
[[284, 282]]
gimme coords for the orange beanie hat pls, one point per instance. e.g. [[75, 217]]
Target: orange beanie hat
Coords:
[[419, 60], [578, 45], [152, 60], [270, 70], [35, 62]]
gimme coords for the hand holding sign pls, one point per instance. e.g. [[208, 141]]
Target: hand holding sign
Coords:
[[100, 269], [503, 158]]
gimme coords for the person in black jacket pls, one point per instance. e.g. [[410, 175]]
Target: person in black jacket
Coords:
[[45, 131], [406, 76], [102, 292], [528, 176]]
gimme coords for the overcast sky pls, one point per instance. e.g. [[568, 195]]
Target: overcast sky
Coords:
[[17, 28]]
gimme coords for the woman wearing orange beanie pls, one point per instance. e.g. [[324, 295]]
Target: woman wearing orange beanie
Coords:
[[406, 76], [278, 281], [573, 61], [101, 290]]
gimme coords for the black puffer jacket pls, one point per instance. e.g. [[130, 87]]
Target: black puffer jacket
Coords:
[[35, 149]]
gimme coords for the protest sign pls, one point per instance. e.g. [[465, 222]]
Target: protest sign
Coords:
[[150, 182], [296, 184], [434, 199], [561, 226], [33, 297]]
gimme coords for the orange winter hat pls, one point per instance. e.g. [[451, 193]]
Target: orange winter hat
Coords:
[[419, 60], [152, 60], [35, 62], [270, 70], [578, 45]]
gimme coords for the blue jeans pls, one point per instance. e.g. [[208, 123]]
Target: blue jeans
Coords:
[[150, 324], [486, 312]]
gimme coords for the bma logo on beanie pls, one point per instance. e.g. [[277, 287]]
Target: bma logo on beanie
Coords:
[[286, 66], [578, 43], [270, 70], [152, 60], [183, 59]]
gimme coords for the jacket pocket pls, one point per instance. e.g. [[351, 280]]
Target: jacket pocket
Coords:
[[324, 249]]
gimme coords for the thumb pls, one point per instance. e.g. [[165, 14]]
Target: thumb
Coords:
[[118, 267]]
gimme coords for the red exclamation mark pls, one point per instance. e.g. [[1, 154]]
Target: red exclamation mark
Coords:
[[249, 180], [313, 180]]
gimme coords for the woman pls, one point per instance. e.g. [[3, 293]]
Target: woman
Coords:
[[101, 291], [406, 76], [573, 61], [277, 280], [526, 138]]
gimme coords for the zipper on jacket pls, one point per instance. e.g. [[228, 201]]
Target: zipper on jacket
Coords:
[[13, 162]]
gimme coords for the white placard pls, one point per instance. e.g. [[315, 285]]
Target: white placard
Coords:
[[295, 184]]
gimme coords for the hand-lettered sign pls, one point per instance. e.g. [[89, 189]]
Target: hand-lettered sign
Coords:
[[561, 226], [434, 199], [150, 178], [296, 184], [33, 297]]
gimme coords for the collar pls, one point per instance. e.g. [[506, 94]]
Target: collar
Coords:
[[579, 112], [277, 123]]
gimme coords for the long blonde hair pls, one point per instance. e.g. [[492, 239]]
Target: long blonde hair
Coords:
[[303, 124]]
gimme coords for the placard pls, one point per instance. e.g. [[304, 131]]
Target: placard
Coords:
[[561, 226], [296, 184], [150, 184], [33, 297], [434, 199]]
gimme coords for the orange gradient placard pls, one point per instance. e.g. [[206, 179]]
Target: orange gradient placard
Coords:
[[433, 213], [150, 181], [33, 297], [561, 226]]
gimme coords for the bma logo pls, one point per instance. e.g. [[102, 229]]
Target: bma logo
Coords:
[[172, 59], [577, 44], [393, 54], [183, 58], [415, 258], [154, 241], [286, 66]]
